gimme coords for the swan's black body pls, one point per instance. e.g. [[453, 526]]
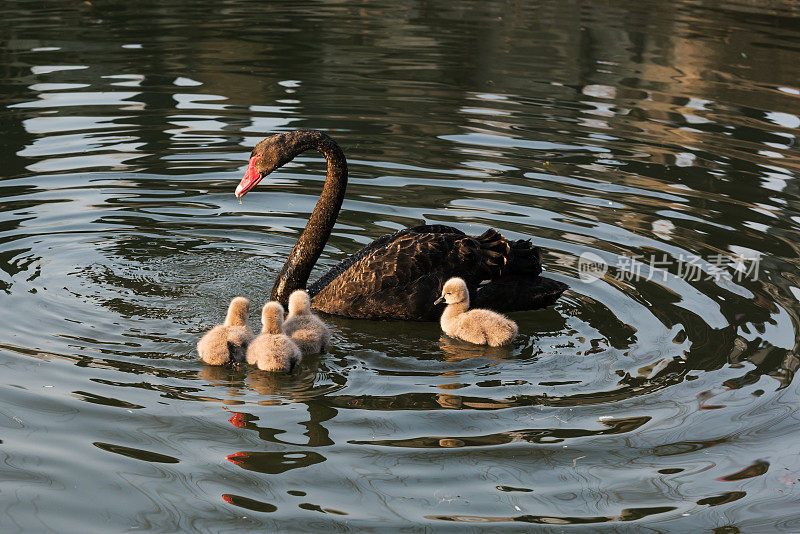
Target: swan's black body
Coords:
[[397, 276]]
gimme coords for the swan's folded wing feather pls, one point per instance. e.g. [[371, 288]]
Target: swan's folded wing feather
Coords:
[[401, 277], [334, 272]]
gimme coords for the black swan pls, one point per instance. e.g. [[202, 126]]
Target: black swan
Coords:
[[481, 327], [272, 350], [395, 276], [304, 327], [226, 343]]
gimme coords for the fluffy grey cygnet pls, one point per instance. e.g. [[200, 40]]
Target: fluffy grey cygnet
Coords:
[[482, 327], [305, 328], [272, 350], [227, 343]]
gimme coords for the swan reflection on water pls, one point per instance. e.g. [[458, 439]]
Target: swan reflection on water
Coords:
[[279, 388], [456, 350], [271, 389]]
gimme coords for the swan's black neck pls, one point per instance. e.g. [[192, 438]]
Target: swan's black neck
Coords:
[[306, 251]]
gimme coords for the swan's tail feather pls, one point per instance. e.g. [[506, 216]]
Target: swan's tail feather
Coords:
[[524, 259], [515, 293], [494, 251], [493, 241]]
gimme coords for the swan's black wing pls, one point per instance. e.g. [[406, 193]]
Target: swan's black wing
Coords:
[[400, 275], [345, 264]]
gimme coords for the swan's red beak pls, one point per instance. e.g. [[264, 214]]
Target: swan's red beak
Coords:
[[251, 178]]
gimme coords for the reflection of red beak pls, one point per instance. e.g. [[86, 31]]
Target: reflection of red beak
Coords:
[[238, 420], [250, 180], [237, 457]]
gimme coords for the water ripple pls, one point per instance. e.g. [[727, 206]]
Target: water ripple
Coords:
[[651, 136]]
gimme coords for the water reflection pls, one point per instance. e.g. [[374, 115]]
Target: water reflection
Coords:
[[628, 514], [249, 504], [273, 463], [146, 456], [539, 435], [454, 350], [653, 131]]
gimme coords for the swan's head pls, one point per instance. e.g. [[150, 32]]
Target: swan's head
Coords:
[[238, 310], [299, 302], [268, 155], [454, 291], [272, 318]]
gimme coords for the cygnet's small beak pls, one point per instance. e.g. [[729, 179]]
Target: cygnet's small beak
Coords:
[[439, 301]]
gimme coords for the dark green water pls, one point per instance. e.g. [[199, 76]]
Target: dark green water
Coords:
[[655, 403]]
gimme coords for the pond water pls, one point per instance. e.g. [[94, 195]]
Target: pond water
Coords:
[[659, 136]]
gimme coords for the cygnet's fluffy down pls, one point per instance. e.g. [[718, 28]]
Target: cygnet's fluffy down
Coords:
[[272, 350], [482, 327], [305, 328], [227, 343]]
